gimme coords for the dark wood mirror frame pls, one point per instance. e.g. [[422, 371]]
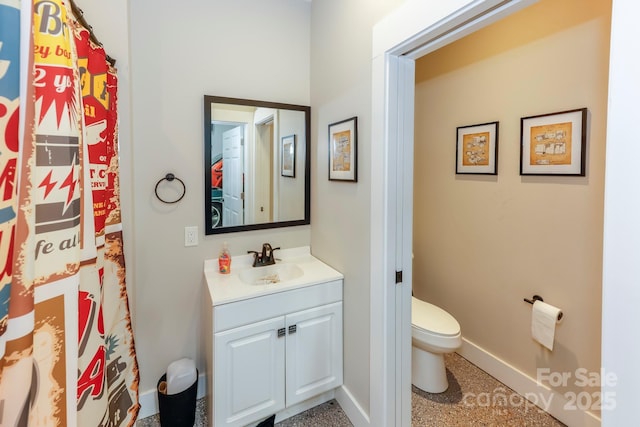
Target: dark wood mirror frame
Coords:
[[209, 199]]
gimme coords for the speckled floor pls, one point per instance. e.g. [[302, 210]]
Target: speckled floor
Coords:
[[474, 398]]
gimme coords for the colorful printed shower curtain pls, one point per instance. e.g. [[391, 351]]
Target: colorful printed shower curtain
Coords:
[[67, 355], [9, 115], [16, 304]]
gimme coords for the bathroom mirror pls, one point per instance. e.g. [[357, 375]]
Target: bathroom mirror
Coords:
[[257, 159]]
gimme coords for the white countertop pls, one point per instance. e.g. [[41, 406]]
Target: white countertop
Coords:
[[226, 288]]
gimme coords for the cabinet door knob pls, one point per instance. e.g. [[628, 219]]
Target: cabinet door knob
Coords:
[[292, 329], [281, 332]]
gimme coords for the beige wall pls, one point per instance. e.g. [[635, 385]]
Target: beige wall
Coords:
[[483, 243]]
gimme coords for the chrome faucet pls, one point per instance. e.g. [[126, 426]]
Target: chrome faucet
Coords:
[[260, 259]]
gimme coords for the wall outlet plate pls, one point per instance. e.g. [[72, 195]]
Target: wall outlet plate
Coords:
[[191, 235]]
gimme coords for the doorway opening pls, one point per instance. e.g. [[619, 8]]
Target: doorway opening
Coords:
[[393, 73], [264, 167]]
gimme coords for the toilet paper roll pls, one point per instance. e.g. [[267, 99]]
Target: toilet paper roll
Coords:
[[544, 318]]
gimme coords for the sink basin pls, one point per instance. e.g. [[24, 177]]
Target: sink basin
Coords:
[[296, 268], [270, 274]]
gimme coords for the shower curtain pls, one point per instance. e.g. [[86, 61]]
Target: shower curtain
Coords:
[[67, 355]]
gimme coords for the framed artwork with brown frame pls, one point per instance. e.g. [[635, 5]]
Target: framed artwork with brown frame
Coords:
[[343, 150], [288, 164], [477, 149], [554, 143]]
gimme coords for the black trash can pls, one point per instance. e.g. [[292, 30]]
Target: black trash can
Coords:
[[177, 410]]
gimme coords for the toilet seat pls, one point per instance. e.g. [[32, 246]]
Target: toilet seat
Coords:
[[433, 329], [432, 319]]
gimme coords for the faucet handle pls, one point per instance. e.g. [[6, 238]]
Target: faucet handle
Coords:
[[272, 256], [270, 249]]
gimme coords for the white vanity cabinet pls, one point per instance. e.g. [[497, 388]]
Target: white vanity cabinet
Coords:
[[249, 370], [313, 352], [274, 351]]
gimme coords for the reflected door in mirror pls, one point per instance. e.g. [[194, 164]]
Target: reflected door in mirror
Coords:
[[232, 177]]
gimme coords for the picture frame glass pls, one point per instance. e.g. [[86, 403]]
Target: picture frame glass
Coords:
[[343, 150], [477, 149], [554, 144], [288, 165]]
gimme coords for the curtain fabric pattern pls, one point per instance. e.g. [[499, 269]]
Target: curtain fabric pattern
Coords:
[[109, 372], [17, 299], [72, 359], [9, 115]]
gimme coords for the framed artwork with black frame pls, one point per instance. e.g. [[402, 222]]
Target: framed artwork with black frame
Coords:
[[288, 160], [477, 149], [554, 143], [343, 150]]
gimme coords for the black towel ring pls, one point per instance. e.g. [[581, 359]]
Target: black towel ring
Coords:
[[170, 177]]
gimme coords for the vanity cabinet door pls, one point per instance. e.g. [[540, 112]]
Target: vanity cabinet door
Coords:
[[249, 366], [314, 352]]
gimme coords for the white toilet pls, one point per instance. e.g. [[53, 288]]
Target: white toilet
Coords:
[[434, 332]]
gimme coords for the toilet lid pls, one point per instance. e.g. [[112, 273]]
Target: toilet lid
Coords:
[[432, 318]]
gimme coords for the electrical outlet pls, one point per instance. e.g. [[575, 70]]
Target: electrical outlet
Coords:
[[191, 236]]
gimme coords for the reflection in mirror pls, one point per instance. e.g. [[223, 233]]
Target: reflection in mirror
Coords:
[[257, 160]]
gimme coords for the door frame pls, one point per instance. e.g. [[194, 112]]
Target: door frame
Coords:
[[414, 29]]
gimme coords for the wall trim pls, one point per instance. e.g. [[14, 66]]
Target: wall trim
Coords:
[[525, 385], [356, 414]]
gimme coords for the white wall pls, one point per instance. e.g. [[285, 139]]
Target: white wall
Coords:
[[290, 205], [341, 38], [621, 293], [251, 49]]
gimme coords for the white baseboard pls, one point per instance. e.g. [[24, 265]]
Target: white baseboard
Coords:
[[351, 407], [554, 402], [149, 399]]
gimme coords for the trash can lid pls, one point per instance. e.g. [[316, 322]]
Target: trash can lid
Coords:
[[181, 374]]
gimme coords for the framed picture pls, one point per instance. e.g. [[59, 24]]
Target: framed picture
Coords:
[[288, 148], [477, 149], [554, 144], [343, 146]]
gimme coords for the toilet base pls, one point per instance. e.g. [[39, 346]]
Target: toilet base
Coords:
[[427, 371]]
